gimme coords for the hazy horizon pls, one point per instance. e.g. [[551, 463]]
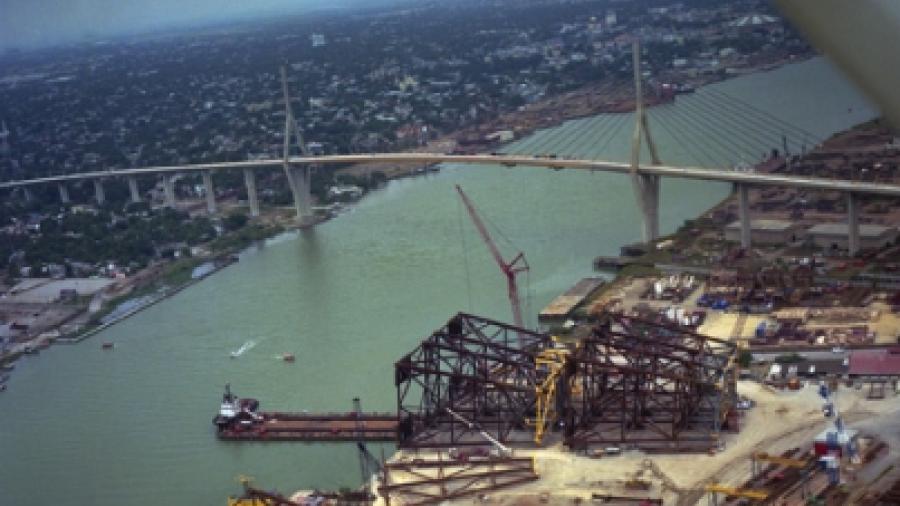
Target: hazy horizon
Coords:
[[33, 24]]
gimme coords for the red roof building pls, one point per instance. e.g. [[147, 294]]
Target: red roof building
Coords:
[[878, 362]]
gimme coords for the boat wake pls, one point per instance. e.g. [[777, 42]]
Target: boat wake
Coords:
[[244, 348]]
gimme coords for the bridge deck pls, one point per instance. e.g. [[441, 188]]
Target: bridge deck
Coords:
[[750, 178]]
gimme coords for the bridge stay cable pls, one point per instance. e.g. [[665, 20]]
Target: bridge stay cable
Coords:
[[743, 116], [698, 146], [702, 125], [762, 112], [730, 123], [720, 156], [552, 136], [695, 152], [612, 128], [621, 121], [692, 141], [589, 130], [574, 124], [692, 123]]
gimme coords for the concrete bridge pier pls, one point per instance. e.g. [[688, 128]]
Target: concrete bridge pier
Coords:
[[852, 224], [64, 193], [649, 202], [133, 189], [252, 195], [169, 189], [99, 193], [210, 192], [27, 193], [299, 179], [744, 214]]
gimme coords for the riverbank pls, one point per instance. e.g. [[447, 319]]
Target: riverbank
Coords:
[[792, 274], [609, 96], [606, 96], [146, 288], [349, 299]]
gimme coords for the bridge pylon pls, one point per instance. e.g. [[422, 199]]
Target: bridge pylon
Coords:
[[299, 177], [64, 193], [133, 189], [99, 192], [252, 195], [210, 191], [646, 186]]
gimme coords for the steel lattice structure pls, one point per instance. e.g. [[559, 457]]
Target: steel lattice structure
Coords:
[[652, 385], [481, 369], [631, 382]]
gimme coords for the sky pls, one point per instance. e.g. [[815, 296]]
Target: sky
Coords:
[[28, 24]]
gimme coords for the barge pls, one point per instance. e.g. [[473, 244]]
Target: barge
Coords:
[[239, 419]]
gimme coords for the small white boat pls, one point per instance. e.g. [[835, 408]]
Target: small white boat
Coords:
[[244, 347]]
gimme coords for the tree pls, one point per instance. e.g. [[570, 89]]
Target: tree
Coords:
[[235, 221], [745, 358]]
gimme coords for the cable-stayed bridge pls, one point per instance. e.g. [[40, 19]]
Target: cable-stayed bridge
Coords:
[[711, 116]]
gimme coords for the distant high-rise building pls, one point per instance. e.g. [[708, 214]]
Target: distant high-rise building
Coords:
[[610, 18], [318, 39]]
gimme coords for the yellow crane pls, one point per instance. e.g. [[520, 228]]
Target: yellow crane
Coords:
[[781, 461], [759, 457], [553, 361], [245, 482], [748, 493]]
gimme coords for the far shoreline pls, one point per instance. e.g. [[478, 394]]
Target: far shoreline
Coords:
[[278, 224]]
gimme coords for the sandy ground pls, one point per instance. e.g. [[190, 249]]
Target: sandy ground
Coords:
[[725, 325], [780, 421], [887, 326]]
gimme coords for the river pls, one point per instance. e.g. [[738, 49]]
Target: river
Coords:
[[83, 426]]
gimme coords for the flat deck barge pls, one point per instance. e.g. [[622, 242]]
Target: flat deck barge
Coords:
[[240, 420], [315, 427]]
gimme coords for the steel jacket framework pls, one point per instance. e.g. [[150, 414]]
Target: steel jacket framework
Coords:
[[629, 382]]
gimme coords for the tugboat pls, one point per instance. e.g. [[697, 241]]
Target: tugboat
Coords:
[[236, 413]]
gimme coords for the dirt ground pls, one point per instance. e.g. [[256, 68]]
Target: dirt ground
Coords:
[[725, 325]]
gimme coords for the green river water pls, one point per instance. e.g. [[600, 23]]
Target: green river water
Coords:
[[83, 426]]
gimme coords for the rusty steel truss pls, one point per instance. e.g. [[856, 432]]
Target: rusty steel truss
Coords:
[[480, 369], [434, 481], [652, 385], [630, 382]]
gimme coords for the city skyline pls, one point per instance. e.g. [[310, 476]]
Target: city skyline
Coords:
[[26, 25]]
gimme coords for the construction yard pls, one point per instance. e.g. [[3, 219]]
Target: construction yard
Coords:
[[779, 422], [629, 409], [874, 320]]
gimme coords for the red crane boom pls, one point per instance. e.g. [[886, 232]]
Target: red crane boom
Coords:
[[510, 269]]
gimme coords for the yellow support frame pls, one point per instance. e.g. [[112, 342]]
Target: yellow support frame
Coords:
[[748, 493], [545, 393], [781, 461]]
